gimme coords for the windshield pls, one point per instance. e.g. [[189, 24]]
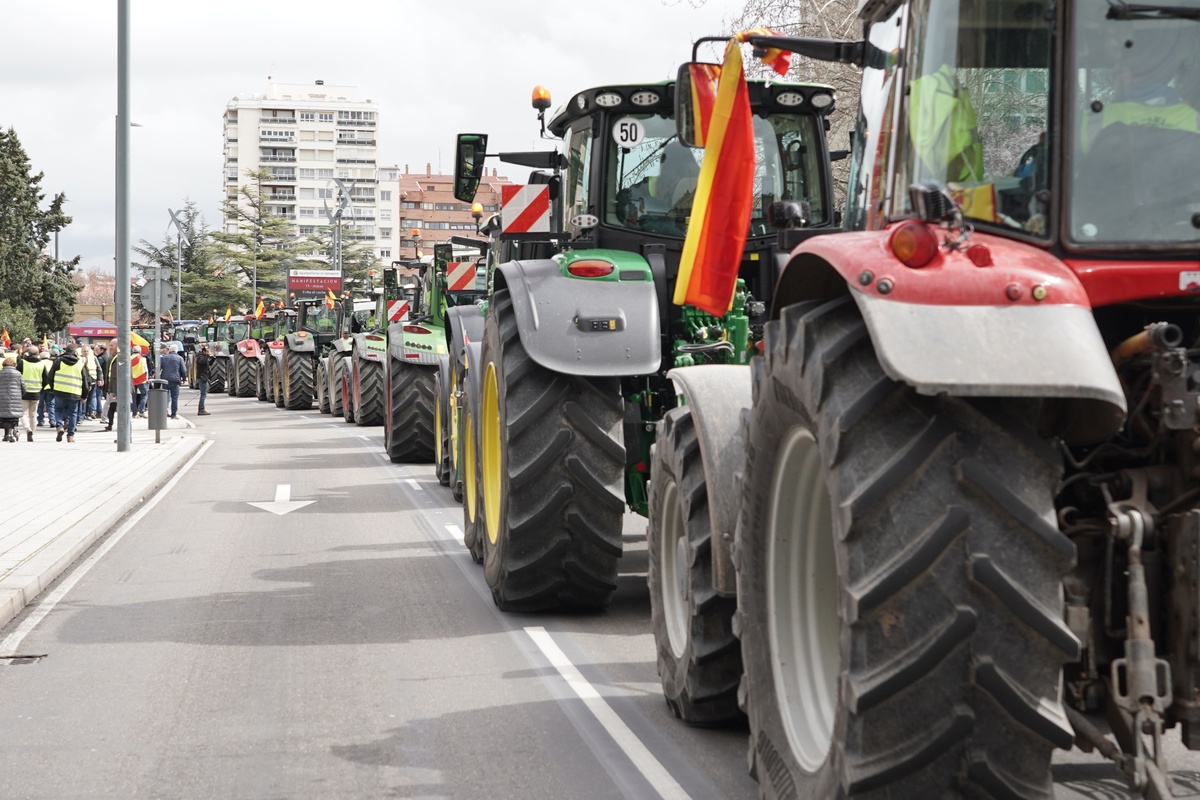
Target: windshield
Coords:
[[1135, 126], [320, 318], [979, 90], [237, 331], [653, 182]]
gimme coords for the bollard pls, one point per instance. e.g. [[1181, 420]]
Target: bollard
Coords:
[[157, 408]]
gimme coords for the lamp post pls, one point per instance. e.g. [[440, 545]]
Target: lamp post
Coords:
[[416, 237], [182, 233]]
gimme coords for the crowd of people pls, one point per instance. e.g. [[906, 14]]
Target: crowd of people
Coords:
[[61, 388]]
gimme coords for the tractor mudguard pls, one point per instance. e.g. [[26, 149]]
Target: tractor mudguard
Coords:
[[954, 327], [301, 342], [414, 348], [463, 324], [342, 345], [275, 350], [578, 326], [372, 346], [249, 348], [716, 395]]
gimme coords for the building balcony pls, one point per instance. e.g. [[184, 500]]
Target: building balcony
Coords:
[[281, 120], [359, 123], [358, 237], [281, 198], [360, 142], [284, 139], [281, 179], [288, 217], [362, 201], [277, 159], [356, 161]]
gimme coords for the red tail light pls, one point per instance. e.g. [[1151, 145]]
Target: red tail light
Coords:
[[913, 243], [373, 338], [416, 329], [590, 268]]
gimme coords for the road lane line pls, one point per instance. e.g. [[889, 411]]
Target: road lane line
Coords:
[[43, 609], [650, 767], [413, 483], [456, 532]]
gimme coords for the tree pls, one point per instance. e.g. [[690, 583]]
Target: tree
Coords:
[[265, 243], [97, 287], [18, 321], [31, 279], [357, 259]]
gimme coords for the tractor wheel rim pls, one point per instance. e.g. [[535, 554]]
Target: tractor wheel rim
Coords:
[[490, 428], [672, 549], [802, 592], [452, 421], [437, 431], [469, 471]]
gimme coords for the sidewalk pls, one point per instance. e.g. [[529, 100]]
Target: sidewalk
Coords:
[[68, 495]]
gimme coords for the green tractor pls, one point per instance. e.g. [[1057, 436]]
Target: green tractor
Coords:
[[316, 328], [362, 373], [417, 350], [352, 316], [270, 373], [569, 388], [223, 336]]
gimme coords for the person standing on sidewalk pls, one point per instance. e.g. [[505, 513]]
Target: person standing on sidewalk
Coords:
[[68, 383], [33, 379], [141, 390], [91, 366], [11, 388], [201, 363], [174, 372], [96, 404]]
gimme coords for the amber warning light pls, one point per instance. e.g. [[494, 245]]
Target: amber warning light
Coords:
[[541, 98]]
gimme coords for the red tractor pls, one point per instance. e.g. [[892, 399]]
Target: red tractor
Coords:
[[961, 516]]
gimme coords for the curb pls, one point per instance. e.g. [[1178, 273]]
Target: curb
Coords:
[[14, 599]]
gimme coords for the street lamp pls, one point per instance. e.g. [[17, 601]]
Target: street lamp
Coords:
[[416, 237], [182, 233]]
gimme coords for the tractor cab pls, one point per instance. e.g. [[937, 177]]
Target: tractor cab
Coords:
[[318, 318], [625, 181]]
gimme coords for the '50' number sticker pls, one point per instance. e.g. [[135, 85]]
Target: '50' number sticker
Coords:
[[628, 132]]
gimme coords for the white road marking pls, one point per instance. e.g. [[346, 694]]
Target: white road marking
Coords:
[[12, 642], [364, 438], [413, 483], [650, 767], [283, 501], [456, 532]]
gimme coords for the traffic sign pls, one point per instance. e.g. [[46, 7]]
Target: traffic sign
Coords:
[[158, 296]]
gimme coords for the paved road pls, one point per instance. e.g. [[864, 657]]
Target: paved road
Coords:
[[347, 648]]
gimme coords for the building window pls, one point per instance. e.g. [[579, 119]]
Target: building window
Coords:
[[307, 173], [408, 204], [427, 206], [308, 116], [412, 223], [447, 206], [308, 212], [326, 193], [325, 117], [385, 233], [438, 226], [324, 173], [385, 195], [385, 253], [385, 214], [307, 230]]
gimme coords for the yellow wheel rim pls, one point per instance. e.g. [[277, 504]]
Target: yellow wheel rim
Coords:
[[469, 458], [491, 453], [437, 430], [453, 421]]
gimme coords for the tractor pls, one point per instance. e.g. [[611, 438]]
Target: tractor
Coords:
[[417, 359], [960, 517], [363, 382], [568, 387], [223, 336], [277, 325], [316, 328], [351, 316], [241, 379]]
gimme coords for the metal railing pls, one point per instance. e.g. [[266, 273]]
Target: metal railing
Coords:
[[281, 120], [285, 178], [277, 158], [270, 138]]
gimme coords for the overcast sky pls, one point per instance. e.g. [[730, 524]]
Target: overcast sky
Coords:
[[434, 69]]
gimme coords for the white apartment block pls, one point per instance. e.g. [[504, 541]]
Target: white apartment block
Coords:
[[306, 135]]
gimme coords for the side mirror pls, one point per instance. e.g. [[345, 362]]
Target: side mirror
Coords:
[[468, 165], [695, 97]]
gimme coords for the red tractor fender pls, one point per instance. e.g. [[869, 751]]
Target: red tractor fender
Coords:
[[248, 348], [970, 323]]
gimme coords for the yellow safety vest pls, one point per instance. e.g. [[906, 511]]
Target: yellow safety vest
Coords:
[[68, 379], [1176, 117], [32, 373]]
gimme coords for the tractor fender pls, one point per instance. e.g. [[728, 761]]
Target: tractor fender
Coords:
[[301, 343], [275, 349], [372, 346], [716, 395], [341, 346], [463, 324], [952, 328], [559, 320], [249, 348]]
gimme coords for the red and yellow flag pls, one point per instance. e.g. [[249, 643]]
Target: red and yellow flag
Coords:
[[4, 337], [228, 313], [330, 300], [259, 309], [720, 221]]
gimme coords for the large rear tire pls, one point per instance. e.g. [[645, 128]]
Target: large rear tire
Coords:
[[337, 364], [244, 377], [552, 458], [260, 380], [411, 409], [900, 579], [473, 526], [322, 386], [370, 392], [277, 380], [699, 658], [298, 391], [441, 434], [216, 375]]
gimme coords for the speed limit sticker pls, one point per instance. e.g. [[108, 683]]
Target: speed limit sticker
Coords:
[[628, 132]]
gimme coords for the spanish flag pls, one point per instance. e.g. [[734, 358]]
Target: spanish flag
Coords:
[[259, 309], [4, 337], [228, 313], [330, 300], [720, 221]]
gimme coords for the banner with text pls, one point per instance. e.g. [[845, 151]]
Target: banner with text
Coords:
[[309, 284]]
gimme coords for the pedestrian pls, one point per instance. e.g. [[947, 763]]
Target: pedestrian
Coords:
[[91, 366], [112, 373], [141, 389], [97, 399], [33, 379], [68, 383], [45, 408], [11, 389], [174, 372], [201, 364]]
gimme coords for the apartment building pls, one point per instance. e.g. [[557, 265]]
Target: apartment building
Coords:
[[418, 210], [305, 135]]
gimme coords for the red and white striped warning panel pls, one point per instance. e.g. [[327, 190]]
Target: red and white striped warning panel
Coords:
[[397, 310], [460, 275], [525, 209]]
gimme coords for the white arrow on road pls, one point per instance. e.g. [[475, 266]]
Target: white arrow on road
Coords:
[[283, 502]]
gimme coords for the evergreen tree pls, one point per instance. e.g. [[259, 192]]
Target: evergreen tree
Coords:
[[31, 279], [265, 243]]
